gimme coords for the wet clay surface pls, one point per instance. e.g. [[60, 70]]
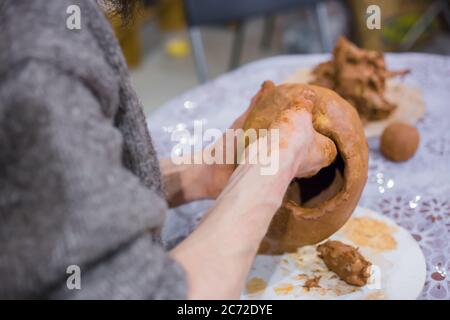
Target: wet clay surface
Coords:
[[359, 76]]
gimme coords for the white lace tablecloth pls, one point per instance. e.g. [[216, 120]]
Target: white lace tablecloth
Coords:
[[416, 194]]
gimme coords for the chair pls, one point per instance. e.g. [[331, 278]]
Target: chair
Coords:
[[201, 13], [436, 7]]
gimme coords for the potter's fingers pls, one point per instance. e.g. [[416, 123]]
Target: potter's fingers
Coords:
[[326, 149], [322, 153]]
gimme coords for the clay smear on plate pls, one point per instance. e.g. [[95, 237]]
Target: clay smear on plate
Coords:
[[376, 295], [370, 233], [255, 286], [284, 289]]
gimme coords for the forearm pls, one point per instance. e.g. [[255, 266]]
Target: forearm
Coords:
[[185, 182], [218, 255]]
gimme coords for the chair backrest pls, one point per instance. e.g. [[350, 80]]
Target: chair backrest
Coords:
[[212, 12]]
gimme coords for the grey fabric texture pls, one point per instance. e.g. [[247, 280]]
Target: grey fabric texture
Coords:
[[79, 177]]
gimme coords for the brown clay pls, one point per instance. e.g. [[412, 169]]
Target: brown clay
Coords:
[[360, 77], [345, 261], [312, 283], [314, 208], [399, 141]]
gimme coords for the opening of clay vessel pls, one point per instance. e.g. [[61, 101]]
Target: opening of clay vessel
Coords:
[[313, 191]]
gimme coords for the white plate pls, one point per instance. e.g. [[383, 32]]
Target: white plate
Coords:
[[399, 271]]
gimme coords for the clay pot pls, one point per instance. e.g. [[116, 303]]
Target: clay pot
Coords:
[[316, 207]]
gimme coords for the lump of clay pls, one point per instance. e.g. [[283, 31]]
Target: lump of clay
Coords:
[[399, 141], [312, 283], [345, 261], [315, 207], [359, 76]]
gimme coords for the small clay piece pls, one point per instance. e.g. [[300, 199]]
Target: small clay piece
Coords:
[[345, 261], [399, 141], [283, 289], [360, 77], [314, 207], [312, 283]]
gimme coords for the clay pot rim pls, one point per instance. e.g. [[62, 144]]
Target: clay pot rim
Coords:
[[329, 205], [322, 209]]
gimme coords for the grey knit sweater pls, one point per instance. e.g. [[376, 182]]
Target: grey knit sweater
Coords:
[[79, 178]]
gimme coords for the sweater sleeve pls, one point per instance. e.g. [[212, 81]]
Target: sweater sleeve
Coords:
[[66, 198]]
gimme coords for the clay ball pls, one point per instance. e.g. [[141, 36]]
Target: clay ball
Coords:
[[399, 141]]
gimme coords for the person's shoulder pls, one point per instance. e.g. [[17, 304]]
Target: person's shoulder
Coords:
[[56, 31], [42, 35]]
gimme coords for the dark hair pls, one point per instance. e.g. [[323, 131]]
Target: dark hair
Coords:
[[125, 8]]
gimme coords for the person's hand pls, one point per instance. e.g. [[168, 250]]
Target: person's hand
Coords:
[[298, 139], [219, 174], [301, 145]]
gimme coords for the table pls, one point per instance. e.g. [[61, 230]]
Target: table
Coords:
[[416, 194]]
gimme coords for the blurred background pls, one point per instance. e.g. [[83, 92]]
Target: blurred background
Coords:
[[174, 45]]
